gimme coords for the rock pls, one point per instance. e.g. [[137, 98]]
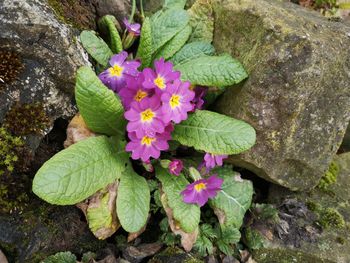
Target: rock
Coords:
[[137, 254], [345, 146], [3, 259], [174, 255], [120, 9], [313, 227], [39, 58], [45, 230], [297, 96]]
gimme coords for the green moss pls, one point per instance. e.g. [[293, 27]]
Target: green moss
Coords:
[[330, 217], [314, 207], [10, 147], [24, 119], [330, 177], [10, 66]]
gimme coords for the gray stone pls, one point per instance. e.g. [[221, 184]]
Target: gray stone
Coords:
[[297, 96], [303, 233], [49, 55], [120, 9]]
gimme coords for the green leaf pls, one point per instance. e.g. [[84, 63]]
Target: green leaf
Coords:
[[79, 171], [187, 215], [232, 202], [202, 21], [96, 47], [144, 51], [61, 257], [100, 107], [191, 51], [230, 234], [107, 24], [165, 25], [254, 240], [208, 231], [212, 71], [133, 201], [225, 248], [171, 47], [214, 133], [175, 4]]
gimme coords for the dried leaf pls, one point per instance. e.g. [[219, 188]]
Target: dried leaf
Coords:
[[187, 239], [77, 131], [133, 236]]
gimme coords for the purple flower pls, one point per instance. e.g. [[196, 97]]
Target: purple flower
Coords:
[[177, 101], [146, 147], [201, 190], [162, 75], [115, 76], [133, 91], [175, 167], [198, 100], [132, 28], [145, 117], [212, 160]]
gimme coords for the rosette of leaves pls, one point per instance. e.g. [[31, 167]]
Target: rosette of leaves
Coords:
[[90, 165]]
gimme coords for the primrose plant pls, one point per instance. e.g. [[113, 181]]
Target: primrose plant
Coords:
[[147, 100]]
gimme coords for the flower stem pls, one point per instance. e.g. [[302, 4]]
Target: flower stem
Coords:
[[141, 7], [133, 9]]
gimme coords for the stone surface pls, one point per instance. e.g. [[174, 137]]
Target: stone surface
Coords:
[[49, 55], [297, 96], [301, 235], [120, 9]]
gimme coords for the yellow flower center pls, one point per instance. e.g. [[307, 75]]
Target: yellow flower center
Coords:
[[199, 187], [147, 115], [140, 95], [159, 82], [147, 140], [116, 71], [174, 101]]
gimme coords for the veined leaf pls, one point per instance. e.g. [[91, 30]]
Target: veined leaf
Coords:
[[202, 21], [191, 51], [133, 201], [107, 24], [214, 133], [96, 47], [79, 171], [61, 257], [166, 24], [171, 47], [187, 215], [175, 4], [144, 51], [100, 107], [235, 198], [212, 71]]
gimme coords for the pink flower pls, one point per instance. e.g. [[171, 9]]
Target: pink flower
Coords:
[[146, 147], [212, 160], [132, 28], [175, 167], [115, 76], [177, 101], [162, 75], [201, 190], [145, 117], [198, 100], [133, 91]]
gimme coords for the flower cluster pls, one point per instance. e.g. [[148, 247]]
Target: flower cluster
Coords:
[[153, 99]]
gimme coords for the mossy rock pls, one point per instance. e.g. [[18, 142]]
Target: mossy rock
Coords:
[[297, 94]]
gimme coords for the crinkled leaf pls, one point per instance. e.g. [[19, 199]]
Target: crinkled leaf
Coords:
[[166, 24], [96, 47], [187, 215], [107, 24], [79, 171], [100, 107], [171, 47], [61, 257], [232, 202], [191, 51], [202, 20], [214, 133], [212, 71], [175, 4], [101, 212], [133, 201], [144, 51]]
